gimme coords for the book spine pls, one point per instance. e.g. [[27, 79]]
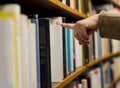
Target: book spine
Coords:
[[44, 53]]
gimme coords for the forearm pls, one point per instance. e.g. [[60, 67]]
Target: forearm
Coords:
[[115, 3], [109, 25]]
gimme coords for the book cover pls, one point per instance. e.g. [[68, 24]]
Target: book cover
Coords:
[[32, 55], [95, 76], [35, 20], [15, 9], [78, 54], [56, 50], [25, 55], [44, 44], [64, 49], [69, 40], [8, 55]]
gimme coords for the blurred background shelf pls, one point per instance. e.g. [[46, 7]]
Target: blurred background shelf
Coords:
[[48, 8], [78, 72]]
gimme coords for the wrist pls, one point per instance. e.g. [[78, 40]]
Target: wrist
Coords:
[[97, 19]]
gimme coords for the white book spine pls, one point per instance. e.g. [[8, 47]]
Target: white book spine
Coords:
[[84, 83], [71, 41], [25, 53], [78, 54], [56, 46], [15, 8], [79, 85]]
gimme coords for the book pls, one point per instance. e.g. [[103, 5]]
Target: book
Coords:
[[64, 50], [84, 83], [98, 47], [15, 9], [9, 73], [107, 76], [35, 20], [85, 54], [78, 54], [25, 79], [44, 39], [95, 76], [56, 50], [32, 54], [69, 50], [79, 85], [63, 1], [116, 61]]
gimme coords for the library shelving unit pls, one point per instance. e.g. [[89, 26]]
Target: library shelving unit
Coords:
[[48, 8], [69, 78], [114, 82]]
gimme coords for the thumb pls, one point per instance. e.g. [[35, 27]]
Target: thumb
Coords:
[[89, 32], [66, 25]]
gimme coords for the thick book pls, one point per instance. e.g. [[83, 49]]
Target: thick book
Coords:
[[95, 76], [68, 2], [44, 45], [69, 50], [25, 65], [116, 61], [35, 20], [85, 54], [64, 50], [78, 54], [32, 55], [98, 45], [84, 83], [16, 10], [8, 51], [56, 50], [107, 76]]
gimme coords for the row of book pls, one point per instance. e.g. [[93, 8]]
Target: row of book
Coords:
[[82, 6], [100, 76], [19, 47], [35, 52]]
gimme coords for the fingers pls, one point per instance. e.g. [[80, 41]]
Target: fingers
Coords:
[[81, 35], [83, 31], [80, 31], [67, 25], [81, 39]]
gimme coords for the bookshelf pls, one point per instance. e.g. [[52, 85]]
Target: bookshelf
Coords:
[[48, 9], [59, 9], [114, 82], [84, 68]]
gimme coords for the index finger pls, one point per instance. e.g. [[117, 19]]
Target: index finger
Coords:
[[67, 25]]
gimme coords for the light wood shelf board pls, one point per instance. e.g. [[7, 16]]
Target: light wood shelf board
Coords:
[[72, 76], [114, 82], [67, 8]]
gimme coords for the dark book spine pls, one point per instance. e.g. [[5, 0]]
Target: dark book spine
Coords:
[[86, 54], [77, 5], [64, 51], [68, 2], [86, 6], [45, 66], [60, 0]]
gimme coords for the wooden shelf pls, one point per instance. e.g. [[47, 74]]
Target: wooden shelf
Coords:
[[68, 9], [78, 72], [114, 82], [48, 8]]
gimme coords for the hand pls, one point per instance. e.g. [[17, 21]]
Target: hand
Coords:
[[83, 28]]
